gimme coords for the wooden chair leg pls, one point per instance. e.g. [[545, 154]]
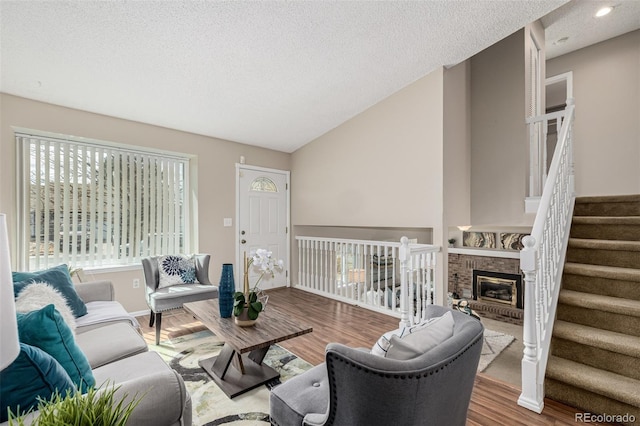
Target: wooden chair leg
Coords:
[[158, 322], [152, 317]]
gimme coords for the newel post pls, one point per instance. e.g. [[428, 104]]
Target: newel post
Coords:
[[532, 396], [403, 255]]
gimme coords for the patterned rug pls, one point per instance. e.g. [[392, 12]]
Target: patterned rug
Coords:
[[493, 344], [211, 407]]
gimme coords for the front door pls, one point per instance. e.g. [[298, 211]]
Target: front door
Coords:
[[263, 216]]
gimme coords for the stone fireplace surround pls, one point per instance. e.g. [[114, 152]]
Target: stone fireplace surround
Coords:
[[462, 263]]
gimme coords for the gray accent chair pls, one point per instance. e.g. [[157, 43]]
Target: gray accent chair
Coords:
[[354, 387], [165, 299]]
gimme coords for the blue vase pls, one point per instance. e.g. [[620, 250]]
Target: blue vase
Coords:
[[226, 289]]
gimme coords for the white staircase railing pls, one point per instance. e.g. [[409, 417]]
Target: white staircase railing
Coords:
[[396, 278], [542, 261]]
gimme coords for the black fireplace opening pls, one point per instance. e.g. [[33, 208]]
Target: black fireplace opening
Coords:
[[498, 287]]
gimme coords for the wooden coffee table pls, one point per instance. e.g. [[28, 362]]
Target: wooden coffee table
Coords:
[[244, 347]]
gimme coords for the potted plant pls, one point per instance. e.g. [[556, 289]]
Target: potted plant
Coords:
[[248, 303], [96, 407], [451, 241]]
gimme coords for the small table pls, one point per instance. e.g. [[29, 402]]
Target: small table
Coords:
[[244, 347]]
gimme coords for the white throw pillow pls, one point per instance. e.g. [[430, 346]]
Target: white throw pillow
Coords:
[[422, 339], [384, 343], [38, 295], [176, 269]]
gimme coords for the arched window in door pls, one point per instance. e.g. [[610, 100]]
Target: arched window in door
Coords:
[[263, 184]]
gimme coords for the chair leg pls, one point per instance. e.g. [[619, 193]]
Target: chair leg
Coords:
[[158, 322], [152, 317]]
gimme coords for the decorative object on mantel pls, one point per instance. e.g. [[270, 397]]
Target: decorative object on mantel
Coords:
[[251, 301], [511, 240], [462, 305], [226, 290], [451, 242], [479, 239]]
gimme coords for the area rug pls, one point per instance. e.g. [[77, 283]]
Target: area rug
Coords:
[[211, 407], [494, 343]]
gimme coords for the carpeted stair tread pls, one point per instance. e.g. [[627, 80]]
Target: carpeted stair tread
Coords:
[[586, 243], [630, 198], [611, 272], [611, 385], [598, 302], [603, 339], [606, 220], [617, 205]]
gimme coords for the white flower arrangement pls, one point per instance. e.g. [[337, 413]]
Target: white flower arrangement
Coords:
[[263, 261]]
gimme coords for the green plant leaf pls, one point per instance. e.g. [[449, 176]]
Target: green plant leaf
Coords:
[[238, 295], [253, 297], [256, 306], [238, 307]]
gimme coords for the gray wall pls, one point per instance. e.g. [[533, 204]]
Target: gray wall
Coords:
[[499, 141], [606, 88]]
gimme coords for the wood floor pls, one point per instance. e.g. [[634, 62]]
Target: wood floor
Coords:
[[492, 403]]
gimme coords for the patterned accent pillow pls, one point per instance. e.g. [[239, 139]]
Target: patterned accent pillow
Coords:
[[176, 269]]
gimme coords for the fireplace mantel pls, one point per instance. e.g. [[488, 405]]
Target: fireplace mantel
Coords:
[[485, 252]]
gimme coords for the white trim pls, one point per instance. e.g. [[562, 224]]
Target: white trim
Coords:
[[566, 76], [139, 313], [485, 252]]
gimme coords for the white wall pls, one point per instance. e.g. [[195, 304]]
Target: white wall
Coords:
[[215, 174], [606, 87]]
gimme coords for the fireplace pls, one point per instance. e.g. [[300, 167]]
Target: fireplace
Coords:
[[498, 287]]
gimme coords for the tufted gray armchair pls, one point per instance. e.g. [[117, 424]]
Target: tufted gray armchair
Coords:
[[165, 299], [354, 387]]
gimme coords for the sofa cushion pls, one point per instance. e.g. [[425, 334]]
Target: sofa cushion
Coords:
[[176, 269], [46, 330], [303, 394], [162, 389], [59, 279], [422, 339], [33, 374], [102, 312], [98, 347]]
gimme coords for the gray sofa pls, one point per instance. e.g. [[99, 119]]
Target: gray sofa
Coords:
[[118, 355], [355, 387]]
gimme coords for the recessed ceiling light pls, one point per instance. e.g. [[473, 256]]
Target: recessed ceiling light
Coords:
[[604, 11], [561, 40]]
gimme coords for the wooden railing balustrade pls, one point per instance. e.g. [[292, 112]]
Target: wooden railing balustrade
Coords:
[[396, 278]]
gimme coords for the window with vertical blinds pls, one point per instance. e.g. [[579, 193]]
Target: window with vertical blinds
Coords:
[[92, 204]]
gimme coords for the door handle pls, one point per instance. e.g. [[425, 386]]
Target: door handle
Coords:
[[243, 241]]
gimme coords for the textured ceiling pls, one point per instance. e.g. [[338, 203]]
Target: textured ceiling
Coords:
[[270, 73]]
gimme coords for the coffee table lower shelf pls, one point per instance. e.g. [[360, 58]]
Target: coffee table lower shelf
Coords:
[[231, 380]]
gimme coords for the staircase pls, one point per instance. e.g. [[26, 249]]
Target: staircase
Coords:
[[595, 349]]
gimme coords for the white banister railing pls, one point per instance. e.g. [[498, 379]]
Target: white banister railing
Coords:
[[538, 156], [396, 278], [542, 261]]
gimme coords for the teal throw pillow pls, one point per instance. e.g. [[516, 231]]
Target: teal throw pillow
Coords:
[[46, 330], [58, 277], [33, 374]]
